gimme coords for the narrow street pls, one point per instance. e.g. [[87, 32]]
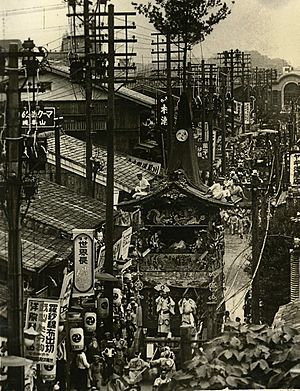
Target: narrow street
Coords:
[[237, 251]]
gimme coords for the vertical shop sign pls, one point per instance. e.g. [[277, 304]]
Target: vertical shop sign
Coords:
[[247, 112], [84, 263], [162, 114], [43, 316], [126, 239]]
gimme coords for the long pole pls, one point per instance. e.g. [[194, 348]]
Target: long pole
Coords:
[[169, 100], [203, 108], [109, 226], [223, 145], [57, 155], [255, 250], [243, 92], [88, 98], [15, 274], [210, 127]]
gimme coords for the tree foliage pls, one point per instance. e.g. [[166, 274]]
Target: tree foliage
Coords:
[[187, 20], [244, 357], [191, 20]]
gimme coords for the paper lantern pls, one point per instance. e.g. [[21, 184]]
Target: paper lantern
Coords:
[[117, 296], [77, 338], [90, 321], [103, 307], [48, 372]]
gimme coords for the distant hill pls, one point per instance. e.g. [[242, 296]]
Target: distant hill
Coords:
[[262, 61]]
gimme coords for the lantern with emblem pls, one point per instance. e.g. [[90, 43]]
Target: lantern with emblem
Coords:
[[48, 372], [90, 321], [77, 338]]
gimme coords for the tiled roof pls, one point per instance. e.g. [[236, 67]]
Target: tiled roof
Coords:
[[34, 256], [122, 92], [73, 150], [164, 186], [60, 207], [38, 248]]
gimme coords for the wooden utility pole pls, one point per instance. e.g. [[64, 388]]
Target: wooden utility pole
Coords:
[[255, 248], [57, 155], [169, 100], [15, 273], [223, 77], [243, 92], [203, 93], [210, 126], [88, 98], [109, 225]]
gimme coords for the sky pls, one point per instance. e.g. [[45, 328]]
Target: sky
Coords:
[[271, 27]]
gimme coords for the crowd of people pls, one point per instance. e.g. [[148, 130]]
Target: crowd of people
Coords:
[[113, 369]]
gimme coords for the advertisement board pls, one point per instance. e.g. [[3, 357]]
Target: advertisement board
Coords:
[[43, 316], [84, 263]]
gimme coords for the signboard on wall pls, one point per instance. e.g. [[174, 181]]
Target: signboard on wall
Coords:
[[43, 316], [84, 263], [42, 118], [295, 169]]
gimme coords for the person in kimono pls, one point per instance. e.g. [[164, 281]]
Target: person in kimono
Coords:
[[187, 309], [165, 308]]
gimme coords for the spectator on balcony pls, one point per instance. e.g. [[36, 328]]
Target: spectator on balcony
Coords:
[[143, 187]]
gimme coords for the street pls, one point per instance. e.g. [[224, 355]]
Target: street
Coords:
[[237, 251]]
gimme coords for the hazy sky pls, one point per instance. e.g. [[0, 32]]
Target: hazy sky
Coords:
[[269, 26]]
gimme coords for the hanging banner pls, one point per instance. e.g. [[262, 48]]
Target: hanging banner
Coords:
[[84, 265], [43, 316], [162, 111], [125, 243], [65, 294], [294, 169], [116, 249], [247, 112]]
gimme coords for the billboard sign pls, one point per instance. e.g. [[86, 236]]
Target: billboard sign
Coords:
[[84, 264], [41, 118], [43, 316]]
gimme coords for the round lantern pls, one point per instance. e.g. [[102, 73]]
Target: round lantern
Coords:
[[29, 336], [90, 321], [117, 297], [103, 307], [48, 372], [77, 338]]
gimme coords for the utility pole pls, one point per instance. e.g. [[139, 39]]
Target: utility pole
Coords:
[[88, 98], [203, 108], [169, 99], [243, 92], [15, 273], [223, 77], [210, 126], [57, 155], [109, 225], [255, 247]]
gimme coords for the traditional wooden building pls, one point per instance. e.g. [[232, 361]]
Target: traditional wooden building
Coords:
[[46, 235], [72, 163], [132, 108]]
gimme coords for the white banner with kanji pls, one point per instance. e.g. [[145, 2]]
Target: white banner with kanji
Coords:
[[43, 316]]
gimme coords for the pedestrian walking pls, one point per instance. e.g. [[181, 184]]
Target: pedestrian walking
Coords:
[[82, 367]]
